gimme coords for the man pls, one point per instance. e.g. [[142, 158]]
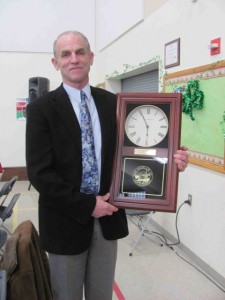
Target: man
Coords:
[[78, 229]]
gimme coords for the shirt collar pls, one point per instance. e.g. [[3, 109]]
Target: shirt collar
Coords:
[[87, 91], [73, 92]]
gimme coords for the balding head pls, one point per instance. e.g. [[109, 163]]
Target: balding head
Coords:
[[76, 33]]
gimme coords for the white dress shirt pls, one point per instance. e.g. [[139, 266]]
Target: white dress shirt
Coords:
[[74, 95]]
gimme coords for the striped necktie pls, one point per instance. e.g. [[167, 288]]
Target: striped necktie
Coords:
[[90, 180]]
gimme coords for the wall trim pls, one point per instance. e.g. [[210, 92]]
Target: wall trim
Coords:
[[9, 172], [208, 271]]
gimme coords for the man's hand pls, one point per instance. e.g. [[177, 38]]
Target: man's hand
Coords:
[[181, 158], [102, 207]]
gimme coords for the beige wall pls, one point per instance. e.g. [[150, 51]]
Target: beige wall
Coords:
[[151, 6]]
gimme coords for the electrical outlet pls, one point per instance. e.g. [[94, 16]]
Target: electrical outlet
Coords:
[[190, 199]]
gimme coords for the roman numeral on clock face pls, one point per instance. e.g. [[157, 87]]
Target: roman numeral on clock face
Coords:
[[138, 140], [161, 134]]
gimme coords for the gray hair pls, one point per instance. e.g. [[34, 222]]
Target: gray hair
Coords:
[[75, 33]]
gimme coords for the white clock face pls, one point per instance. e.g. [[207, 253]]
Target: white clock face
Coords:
[[146, 125]]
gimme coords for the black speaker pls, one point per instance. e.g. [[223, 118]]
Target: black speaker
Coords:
[[38, 86]]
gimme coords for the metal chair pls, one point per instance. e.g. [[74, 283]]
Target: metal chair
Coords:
[[3, 284], [6, 211], [3, 238], [137, 218], [6, 188]]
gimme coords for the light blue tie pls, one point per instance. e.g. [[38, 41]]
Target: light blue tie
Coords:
[[89, 183]]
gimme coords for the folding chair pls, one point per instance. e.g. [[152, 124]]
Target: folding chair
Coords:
[[6, 211], [137, 218], [3, 238], [3, 284], [7, 187]]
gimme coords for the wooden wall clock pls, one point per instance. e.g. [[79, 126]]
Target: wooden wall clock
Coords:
[[145, 175]]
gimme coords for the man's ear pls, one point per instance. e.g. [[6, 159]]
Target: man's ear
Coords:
[[91, 58], [55, 63]]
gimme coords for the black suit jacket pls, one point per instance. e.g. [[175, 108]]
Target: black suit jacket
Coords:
[[54, 165]]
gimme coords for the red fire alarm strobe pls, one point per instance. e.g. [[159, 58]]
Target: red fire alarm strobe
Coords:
[[215, 46]]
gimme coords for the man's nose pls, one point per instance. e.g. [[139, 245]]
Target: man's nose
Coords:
[[74, 57]]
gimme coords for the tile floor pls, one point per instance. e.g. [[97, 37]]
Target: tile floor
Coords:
[[152, 272]]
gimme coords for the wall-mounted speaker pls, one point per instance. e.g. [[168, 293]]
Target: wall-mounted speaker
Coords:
[[38, 86]]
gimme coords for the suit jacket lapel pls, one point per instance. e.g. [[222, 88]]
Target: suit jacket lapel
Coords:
[[63, 107]]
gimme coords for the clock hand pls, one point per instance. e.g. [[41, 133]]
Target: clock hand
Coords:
[[146, 141], [147, 126]]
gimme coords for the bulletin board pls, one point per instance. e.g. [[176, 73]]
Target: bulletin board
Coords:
[[204, 136]]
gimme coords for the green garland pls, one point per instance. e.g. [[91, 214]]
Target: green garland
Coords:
[[127, 68], [192, 98]]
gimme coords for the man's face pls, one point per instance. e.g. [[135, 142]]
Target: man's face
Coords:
[[73, 59]]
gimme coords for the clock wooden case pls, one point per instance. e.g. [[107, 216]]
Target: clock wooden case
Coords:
[[145, 175]]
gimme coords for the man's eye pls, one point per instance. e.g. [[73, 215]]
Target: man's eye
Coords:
[[81, 52], [64, 54]]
